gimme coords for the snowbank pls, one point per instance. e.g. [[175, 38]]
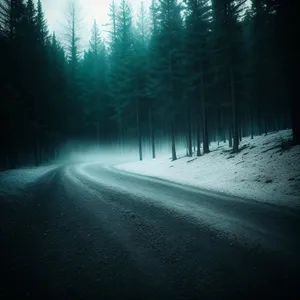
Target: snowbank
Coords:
[[267, 169], [13, 181]]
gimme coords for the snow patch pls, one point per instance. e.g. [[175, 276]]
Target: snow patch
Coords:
[[12, 182], [267, 169]]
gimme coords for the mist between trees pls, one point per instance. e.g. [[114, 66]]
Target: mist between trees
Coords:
[[179, 75]]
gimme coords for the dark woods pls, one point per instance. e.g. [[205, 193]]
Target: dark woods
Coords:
[[195, 71]]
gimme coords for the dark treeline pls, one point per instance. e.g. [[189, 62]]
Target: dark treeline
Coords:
[[193, 71]]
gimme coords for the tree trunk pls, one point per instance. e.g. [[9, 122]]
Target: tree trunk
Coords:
[[240, 131], [151, 133], [219, 126], [138, 129], [251, 123], [120, 134], [198, 137], [295, 112], [234, 111], [296, 125], [265, 126], [98, 133], [223, 125], [194, 138], [230, 135], [204, 118], [174, 157], [189, 134]]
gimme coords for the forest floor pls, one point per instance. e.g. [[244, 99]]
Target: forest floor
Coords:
[[267, 168]]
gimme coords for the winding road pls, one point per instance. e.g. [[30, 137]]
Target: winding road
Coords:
[[88, 231]]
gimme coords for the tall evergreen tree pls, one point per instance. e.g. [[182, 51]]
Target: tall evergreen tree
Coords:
[[170, 22], [227, 26], [42, 28], [152, 83], [197, 39], [94, 68], [120, 65], [73, 56], [287, 27], [204, 67], [139, 72]]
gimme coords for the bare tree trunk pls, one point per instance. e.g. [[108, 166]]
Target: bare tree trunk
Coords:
[[265, 126], [234, 111], [98, 133], [198, 137], [240, 130], [120, 134], [251, 123], [186, 145], [223, 126], [295, 110], [37, 133], [204, 118], [219, 126], [174, 157], [194, 139], [230, 135], [189, 134], [152, 133], [261, 121], [138, 129]]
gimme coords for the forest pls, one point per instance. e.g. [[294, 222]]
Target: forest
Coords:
[[185, 73]]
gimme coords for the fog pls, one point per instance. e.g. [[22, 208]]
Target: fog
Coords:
[[112, 153]]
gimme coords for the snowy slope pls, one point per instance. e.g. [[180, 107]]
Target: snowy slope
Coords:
[[266, 169], [14, 181]]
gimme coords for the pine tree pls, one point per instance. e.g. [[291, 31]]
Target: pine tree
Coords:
[[31, 57], [42, 28], [152, 82], [11, 14], [139, 71], [72, 52], [227, 27], [113, 72], [198, 27], [170, 35], [56, 107], [120, 65], [30, 14], [95, 81]]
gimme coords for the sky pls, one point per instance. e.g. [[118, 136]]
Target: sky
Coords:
[[89, 10]]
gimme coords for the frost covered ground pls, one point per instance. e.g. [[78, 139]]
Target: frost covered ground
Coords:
[[267, 169], [14, 181]]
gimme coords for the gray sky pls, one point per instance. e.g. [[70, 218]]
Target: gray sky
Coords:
[[89, 10]]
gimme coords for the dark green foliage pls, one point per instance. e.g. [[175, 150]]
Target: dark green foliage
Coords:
[[197, 57], [189, 72], [94, 84]]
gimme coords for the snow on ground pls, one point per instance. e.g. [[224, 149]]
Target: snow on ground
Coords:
[[267, 169], [14, 181]]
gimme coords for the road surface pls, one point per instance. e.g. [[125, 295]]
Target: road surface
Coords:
[[88, 231]]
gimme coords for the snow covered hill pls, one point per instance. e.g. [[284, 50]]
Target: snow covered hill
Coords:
[[267, 169]]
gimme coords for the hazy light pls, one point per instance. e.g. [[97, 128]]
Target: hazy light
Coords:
[[90, 10]]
